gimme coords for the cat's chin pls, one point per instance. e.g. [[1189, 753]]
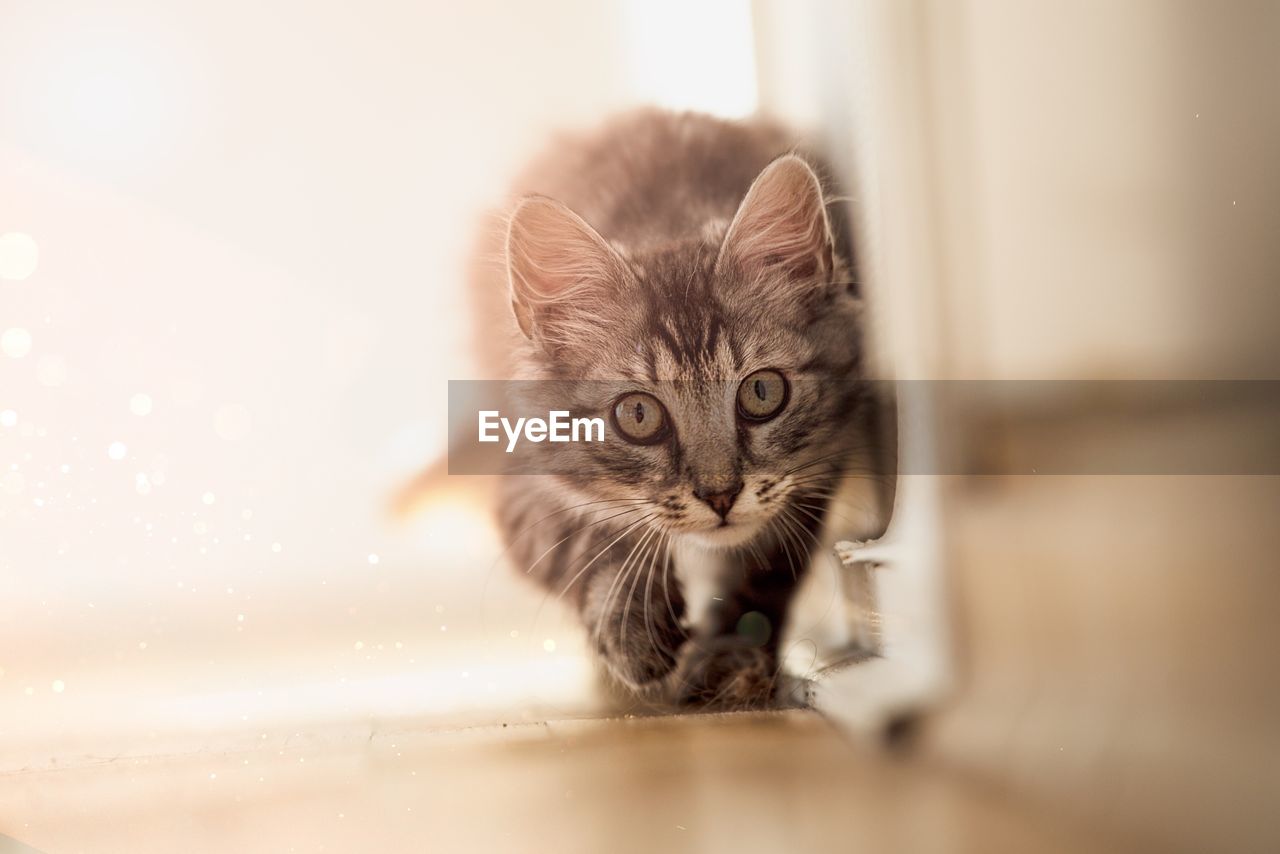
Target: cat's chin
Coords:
[[725, 536]]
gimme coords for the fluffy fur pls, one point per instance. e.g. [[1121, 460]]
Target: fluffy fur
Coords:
[[675, 255]]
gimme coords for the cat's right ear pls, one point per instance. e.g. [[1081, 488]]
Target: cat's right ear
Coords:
[[561, 271]]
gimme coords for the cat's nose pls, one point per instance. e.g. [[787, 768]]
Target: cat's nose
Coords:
[[719, 500]]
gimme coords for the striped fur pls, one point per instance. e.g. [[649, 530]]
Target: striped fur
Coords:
[[640, 267]]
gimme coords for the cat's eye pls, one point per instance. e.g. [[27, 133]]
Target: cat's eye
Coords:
[[640, 418], [762, 395]]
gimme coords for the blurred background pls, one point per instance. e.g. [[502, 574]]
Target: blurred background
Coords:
[[233, 294], [233, 239]]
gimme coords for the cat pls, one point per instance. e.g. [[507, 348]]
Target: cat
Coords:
[[680, 276]]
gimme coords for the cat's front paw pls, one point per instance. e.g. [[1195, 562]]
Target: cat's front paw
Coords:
[[725, 673]]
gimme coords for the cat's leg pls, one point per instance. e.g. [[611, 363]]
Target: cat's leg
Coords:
[[735, 663], [607, 562], [633, 611]]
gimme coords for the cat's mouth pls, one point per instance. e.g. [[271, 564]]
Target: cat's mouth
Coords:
[[726, 532]]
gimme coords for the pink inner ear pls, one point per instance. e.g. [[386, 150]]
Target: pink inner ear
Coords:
[[782, 223], [552, 253], [560, 270]]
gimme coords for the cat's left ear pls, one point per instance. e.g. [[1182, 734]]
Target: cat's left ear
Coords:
[[782, 228]]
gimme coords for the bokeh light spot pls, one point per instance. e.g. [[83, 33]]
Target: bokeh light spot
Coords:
[[755, 628], [15, 342], [19, 256]]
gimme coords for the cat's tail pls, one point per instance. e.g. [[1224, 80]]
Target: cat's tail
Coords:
[[434, 485], [412, 495]]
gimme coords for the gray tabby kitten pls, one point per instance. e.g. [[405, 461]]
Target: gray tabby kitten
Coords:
[[678, 275]]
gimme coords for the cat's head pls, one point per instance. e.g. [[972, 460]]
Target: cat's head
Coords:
[[725, 363]]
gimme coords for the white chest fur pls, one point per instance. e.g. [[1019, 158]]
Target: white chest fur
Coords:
[[704, 574]]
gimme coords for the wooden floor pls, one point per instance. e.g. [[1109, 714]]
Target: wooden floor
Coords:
[[741, 783]]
